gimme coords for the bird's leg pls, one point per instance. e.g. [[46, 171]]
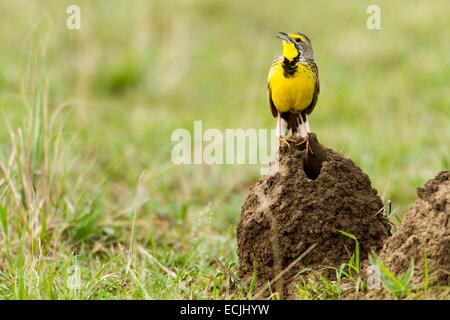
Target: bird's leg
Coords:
[[281, 131], [305, 126], [308, 130], [298, 133]]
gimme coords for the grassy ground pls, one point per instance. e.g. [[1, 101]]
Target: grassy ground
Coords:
[[87, 186]]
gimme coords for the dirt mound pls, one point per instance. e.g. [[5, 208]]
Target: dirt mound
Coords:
[[425, 228], [302, 206]]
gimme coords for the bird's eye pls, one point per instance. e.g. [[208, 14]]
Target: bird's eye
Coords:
[[298, 40]]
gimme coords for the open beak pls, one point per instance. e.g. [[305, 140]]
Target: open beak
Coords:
[[284, 36]]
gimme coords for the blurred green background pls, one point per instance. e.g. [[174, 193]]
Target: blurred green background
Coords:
[[137, 70]]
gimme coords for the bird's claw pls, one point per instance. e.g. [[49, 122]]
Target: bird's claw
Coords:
[[281, 139], [297, 143], [308, 145]]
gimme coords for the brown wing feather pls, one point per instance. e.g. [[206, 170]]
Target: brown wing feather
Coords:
[[311, 106], [273, 109]]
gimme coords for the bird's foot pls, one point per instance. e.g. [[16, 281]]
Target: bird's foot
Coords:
[[284, 140], [308, 145]]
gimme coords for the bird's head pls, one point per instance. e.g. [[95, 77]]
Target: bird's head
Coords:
[[296, 45]]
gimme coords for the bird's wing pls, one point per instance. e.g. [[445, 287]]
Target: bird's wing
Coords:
[[273, 109], [272, 106], [311, 106]]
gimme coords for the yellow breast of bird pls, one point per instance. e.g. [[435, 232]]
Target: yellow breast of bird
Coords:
[[293, 93]]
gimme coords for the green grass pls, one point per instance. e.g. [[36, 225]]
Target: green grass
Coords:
[[86, 183]]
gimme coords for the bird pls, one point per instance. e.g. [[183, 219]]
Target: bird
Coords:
[[293, 86]]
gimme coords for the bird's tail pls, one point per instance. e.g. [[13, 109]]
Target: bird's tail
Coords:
[[293, 123]]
